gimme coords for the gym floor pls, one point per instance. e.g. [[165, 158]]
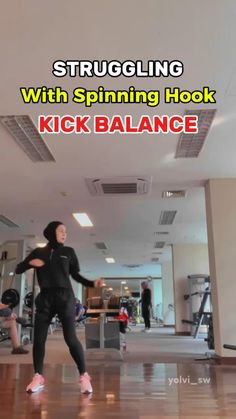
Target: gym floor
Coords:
[[159, 378], [121, 390]]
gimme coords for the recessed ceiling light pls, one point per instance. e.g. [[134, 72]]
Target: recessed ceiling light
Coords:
[[123, 282], [41, 244], [83, 219], [110, 260], [110, 289], [126, 288]]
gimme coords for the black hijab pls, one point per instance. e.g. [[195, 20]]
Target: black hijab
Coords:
[[50, 234]]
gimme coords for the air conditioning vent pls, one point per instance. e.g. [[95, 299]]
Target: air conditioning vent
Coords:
[[7, 222], [23, 130], [137, 185], [100, 246], [114, 188], [159, 245], [174, 194], [161, 233], [190, 145], [167, 217], [155, 260]]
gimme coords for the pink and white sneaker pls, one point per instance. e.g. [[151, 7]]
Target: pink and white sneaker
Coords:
[[36, 384], [85, 385]]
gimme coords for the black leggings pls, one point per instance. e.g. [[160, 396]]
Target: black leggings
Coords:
[[48, 303], [146, 316]]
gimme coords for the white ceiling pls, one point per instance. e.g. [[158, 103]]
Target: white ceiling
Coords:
[[32, 36]]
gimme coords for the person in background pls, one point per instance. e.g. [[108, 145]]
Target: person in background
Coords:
[[146, 303], [123, 325], [80, 311], [8, 321]]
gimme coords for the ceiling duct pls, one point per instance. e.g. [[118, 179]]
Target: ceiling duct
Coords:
[[159, 245], [190, 145], [100, 246], [134, 185], [154, 259], [167, 217], [174, 194], [24, 132], [7, 222], [161, 233]]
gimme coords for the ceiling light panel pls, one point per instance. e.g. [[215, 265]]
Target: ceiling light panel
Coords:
[[83, 219], [190, 145], [24, 132], [110, 260]]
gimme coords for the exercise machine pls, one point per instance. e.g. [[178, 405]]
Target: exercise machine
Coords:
[[232, 347], [199, 292]]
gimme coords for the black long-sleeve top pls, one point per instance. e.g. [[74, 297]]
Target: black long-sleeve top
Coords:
[[59, 264], [146, 297]]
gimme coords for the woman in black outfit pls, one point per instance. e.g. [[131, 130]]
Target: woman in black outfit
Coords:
[[146, 300], [54, 264]]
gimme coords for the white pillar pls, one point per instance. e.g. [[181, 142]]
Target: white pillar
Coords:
[[168, 293], [221, 226]]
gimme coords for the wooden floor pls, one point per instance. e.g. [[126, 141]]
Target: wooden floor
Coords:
[[144, 391]]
